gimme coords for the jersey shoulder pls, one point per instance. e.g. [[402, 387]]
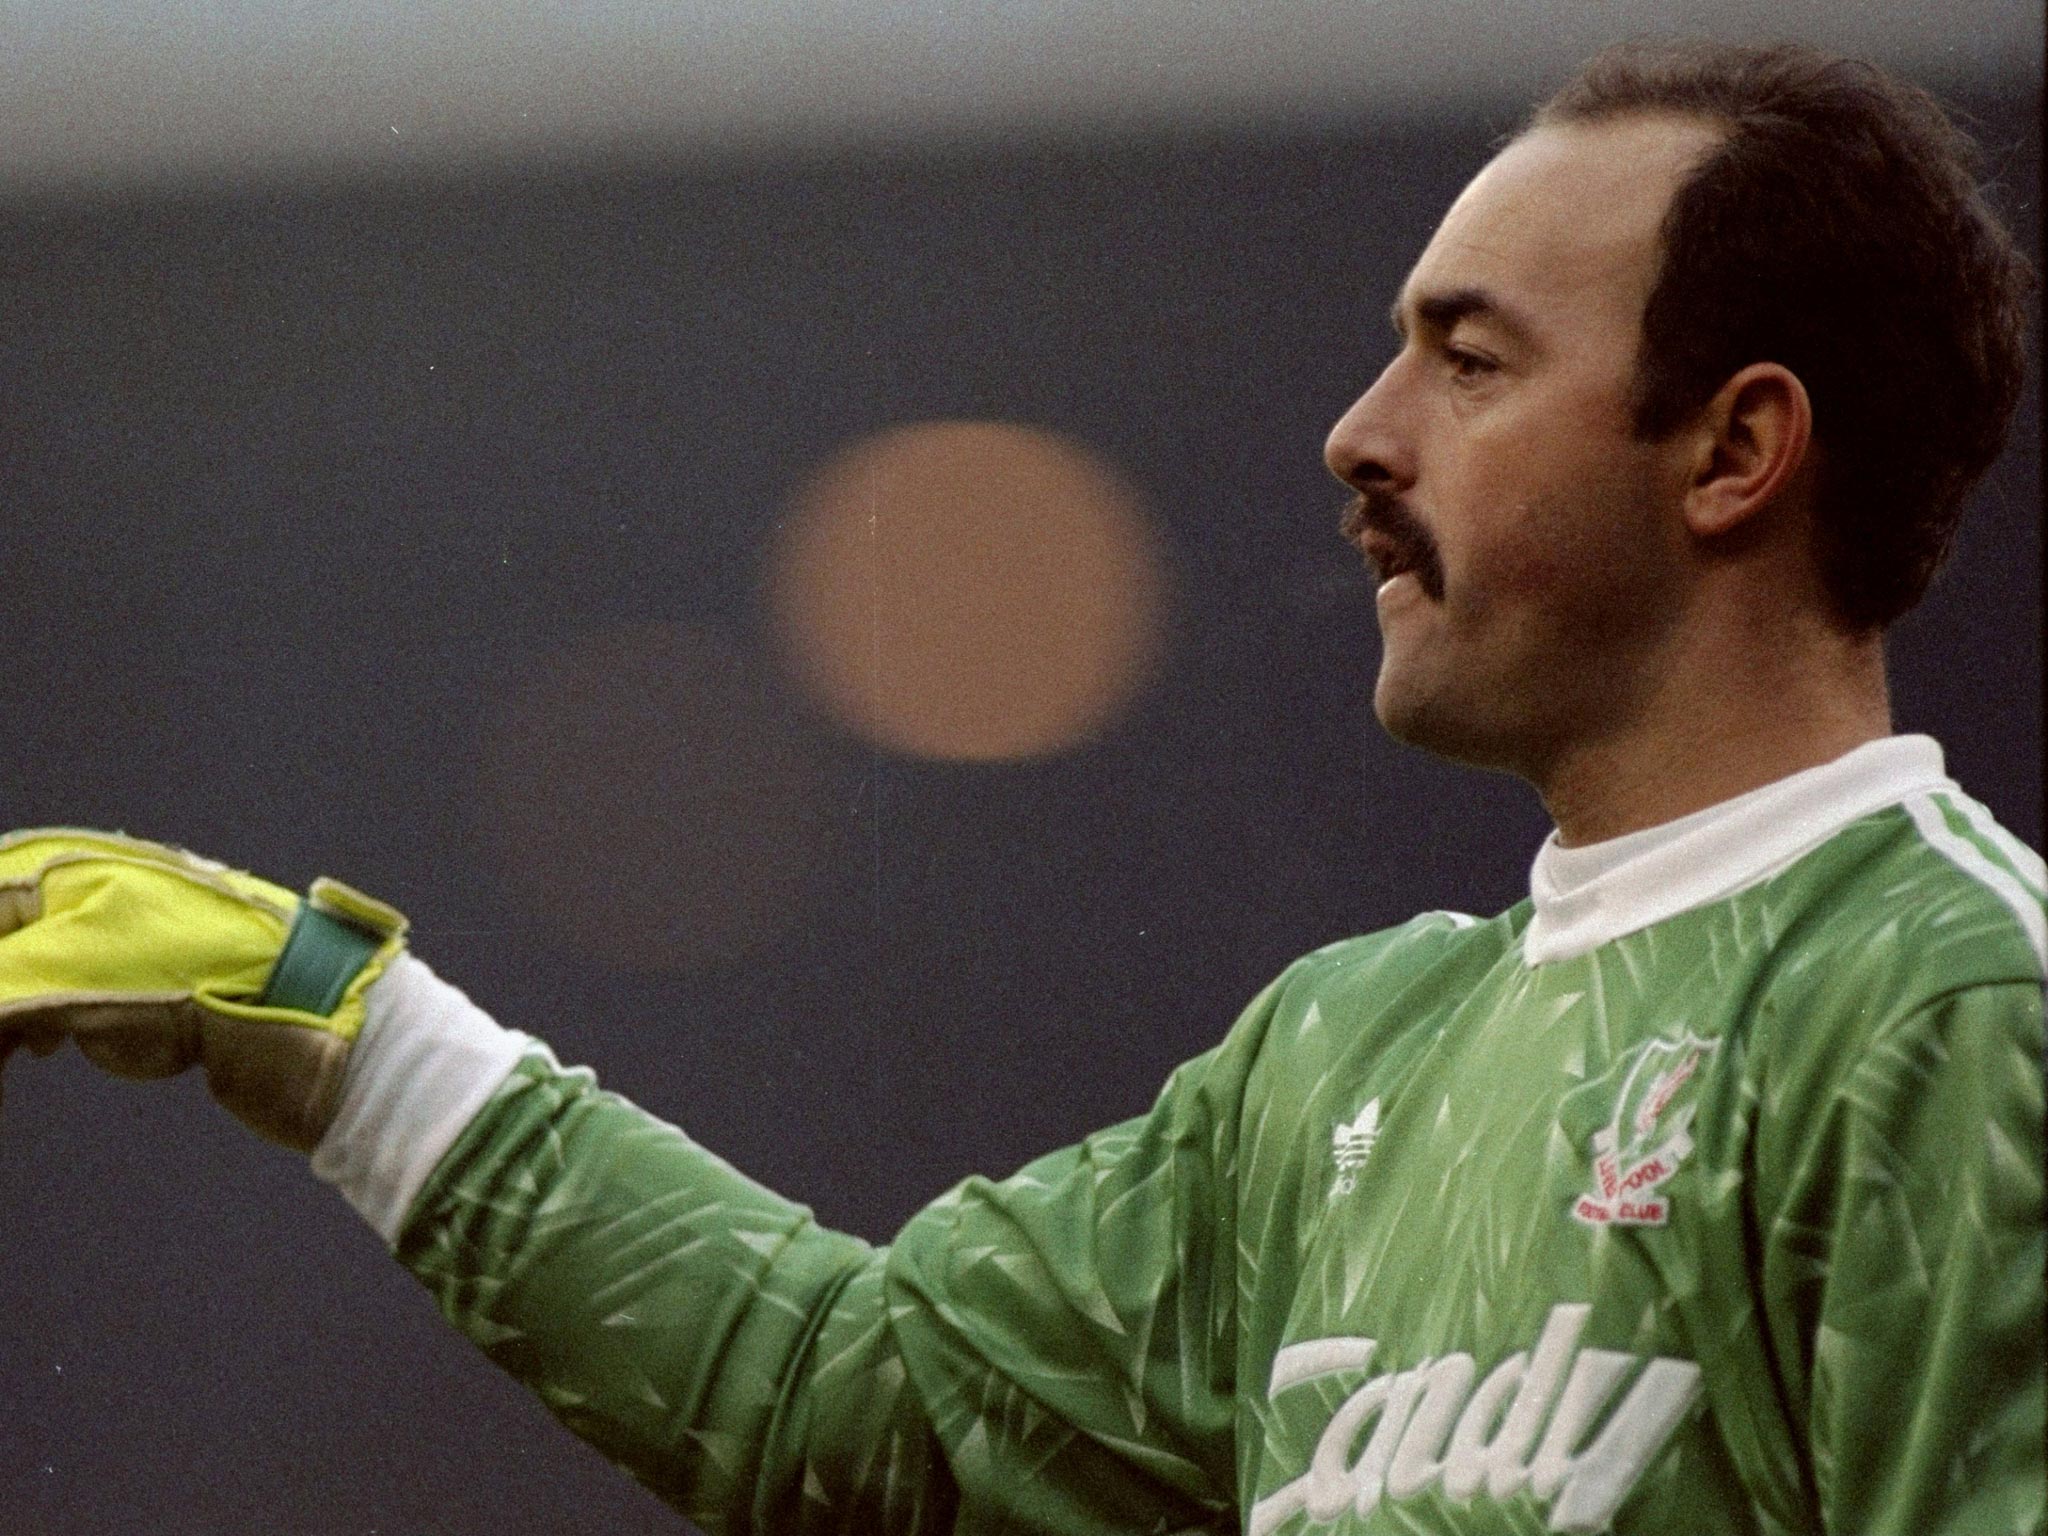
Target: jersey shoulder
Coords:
[[1427, 952], [1419, 944], [1923, 898]]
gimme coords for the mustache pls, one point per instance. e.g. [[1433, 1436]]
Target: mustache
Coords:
[[1393, 539]]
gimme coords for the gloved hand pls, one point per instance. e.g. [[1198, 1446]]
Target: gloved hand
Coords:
[[153, 959]]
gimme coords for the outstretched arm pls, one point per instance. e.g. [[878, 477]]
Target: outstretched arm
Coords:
[[1053, 1353]]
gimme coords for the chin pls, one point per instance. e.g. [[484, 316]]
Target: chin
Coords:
[[1403, 711], [1419, 717]]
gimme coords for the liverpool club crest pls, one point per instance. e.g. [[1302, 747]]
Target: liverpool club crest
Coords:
[[1648, 1137]]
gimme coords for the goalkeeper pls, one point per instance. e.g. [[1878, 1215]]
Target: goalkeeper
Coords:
[[1699, 1192]]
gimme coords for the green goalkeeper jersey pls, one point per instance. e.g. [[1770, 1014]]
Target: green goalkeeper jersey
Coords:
[[1702, 1193]]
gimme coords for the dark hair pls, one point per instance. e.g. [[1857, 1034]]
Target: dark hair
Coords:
[[1839, 230]]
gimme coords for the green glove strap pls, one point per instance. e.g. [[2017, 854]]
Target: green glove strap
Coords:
[[322, 954]]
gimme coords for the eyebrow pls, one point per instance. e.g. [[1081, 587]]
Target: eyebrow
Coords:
[[1442, 311]]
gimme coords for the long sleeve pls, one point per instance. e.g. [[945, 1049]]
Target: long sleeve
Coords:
[[1906, 1274], [1049, 1353], [699, 1330]]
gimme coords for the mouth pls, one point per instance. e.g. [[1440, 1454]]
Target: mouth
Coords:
[[1394, 543], [1389, 560]]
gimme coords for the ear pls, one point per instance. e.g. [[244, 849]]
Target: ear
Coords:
[[1753, 438]]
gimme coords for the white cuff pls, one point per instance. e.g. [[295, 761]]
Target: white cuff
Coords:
[[427, 1060]]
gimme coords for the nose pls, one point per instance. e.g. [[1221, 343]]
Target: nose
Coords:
[[1364, 447]]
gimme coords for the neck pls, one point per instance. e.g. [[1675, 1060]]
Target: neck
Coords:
[[1712, 735]]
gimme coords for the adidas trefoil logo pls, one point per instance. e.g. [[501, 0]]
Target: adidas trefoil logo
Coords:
[[1351, 1145]]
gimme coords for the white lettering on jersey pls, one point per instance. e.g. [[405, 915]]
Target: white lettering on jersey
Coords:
[[1519, 1430]]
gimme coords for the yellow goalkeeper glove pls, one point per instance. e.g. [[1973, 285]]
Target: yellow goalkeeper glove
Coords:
[[153, 960]]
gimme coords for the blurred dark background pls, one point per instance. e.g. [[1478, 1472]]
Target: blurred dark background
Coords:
[[324, 499]]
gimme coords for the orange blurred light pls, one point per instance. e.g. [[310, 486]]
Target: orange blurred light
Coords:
[[968, 590], [645, 804]]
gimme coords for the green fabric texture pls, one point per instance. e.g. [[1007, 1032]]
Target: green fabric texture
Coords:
[[1732, 1225]]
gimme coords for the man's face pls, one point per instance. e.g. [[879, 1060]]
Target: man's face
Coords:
[[1533, 559]]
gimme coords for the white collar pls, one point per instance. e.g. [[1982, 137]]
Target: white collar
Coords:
[[1586, 896]]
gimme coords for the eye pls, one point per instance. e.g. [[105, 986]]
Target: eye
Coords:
[[1466, 364]]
